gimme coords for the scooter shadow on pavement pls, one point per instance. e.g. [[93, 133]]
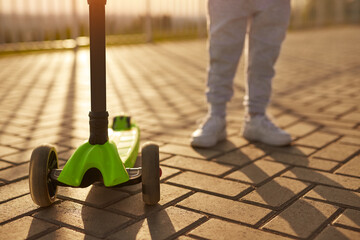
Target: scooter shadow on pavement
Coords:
[[153, 221]]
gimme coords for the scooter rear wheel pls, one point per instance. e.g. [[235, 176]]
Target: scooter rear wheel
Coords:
[[150, 174], [42, 189]]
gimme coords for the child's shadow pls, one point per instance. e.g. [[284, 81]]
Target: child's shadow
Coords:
[[310, 212], [300, 161]]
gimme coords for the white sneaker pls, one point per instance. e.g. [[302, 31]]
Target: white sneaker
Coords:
[[211, 131], [260, 128]]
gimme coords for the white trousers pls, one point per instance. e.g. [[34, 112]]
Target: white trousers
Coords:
[[228, 21]]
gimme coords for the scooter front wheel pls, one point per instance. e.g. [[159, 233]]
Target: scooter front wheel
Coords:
[[150, 174], [42, 189]]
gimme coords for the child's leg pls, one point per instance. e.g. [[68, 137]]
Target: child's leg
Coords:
[[267, 32], [227, 29]]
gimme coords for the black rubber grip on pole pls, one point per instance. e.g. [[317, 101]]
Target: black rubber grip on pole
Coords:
[[98, 114], [98, 127]]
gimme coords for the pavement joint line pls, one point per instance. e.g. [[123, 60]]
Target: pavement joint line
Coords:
[[278, 210], [270, 178], [321, 184], [238, 167], [178, 58], [131, 193], [164, 180], [101, 207], [243, 193], [328, 221], [196, 237], [342, 163], [233, 169], [322, 147], [254, 186], [291, 201], [15, 180], [327, 159], [23, 97], [346, 227], [65, 225], [188, 228], [282, 234], [258, 204], [11, 164], [13, 198], [301, 166], [18, 217], [318, 80], [340, 205], [234, 198], [323, 109], [14, 164], [135, 219], [348, 175], [122, 213], [189, 170], [353, 109], [43, 233], [147, 214], [210, 215]]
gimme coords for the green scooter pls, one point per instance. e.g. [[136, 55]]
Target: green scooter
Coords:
[[110, 154]]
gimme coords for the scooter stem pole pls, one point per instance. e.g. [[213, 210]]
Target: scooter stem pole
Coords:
[[98, 114]]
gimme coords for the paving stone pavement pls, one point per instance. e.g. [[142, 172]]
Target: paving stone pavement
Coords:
[[236, 190]]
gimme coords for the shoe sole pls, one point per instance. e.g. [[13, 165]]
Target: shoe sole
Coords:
[[281, 144], [197, 143]]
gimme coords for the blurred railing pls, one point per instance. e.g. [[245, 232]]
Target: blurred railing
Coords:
[[42, 23]]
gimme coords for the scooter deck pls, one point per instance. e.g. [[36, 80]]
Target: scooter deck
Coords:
[[127, 143]]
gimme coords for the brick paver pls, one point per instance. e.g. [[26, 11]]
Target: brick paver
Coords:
[[236, 190], [302, 160], [337, 233], [351, 168], [257, 172], [92, 195], [161, 225], [335, 195], [350, 218], [4, 165], [26, 227], [66, 233], [302, 218], [135, 206], [351, 183], [337, 152], [16, 207], [196, 165], [226, 230], [225, 208], [276, 192], [88, 219], [203, 182], [14, 190], [317, 139]]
